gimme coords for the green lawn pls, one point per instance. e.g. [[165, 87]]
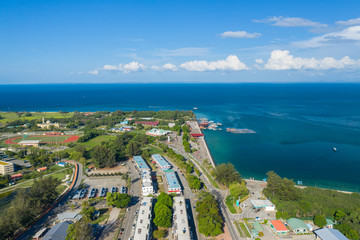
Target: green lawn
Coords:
[[244, 230], [230, 204], [239, 229], [96, 141], [12, 116]]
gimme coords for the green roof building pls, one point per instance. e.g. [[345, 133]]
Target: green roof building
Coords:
[[297, 225], [258, 227], [329, 223]]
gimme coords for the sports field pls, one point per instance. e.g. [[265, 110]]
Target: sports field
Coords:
[[44, 139]]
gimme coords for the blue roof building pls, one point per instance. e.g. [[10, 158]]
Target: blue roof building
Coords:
[[58, 232], [172, 181], [329, 234], [163, 164], [140, 163]]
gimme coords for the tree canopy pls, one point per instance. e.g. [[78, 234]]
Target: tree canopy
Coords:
[[119, 200], [226, 174]]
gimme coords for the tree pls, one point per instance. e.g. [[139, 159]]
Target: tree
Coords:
[[119, 200], [159, 234], [103, 156], [226, 174], [320, 221], [194, 182], [282, 188], [80, 230], [165, 199], [238, 189], [133, 149], [209, 219], [163, 215]]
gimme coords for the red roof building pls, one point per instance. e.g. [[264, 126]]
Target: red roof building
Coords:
[[196, 135], [16, 176], [279, 227], [154, 124], [53, 133], [41, 169]]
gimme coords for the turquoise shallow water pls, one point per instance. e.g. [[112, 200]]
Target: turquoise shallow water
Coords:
[[297, 125]]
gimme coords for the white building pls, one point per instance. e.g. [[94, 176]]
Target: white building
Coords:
[[6, 168], [147, 184], [267, 204], [180, 227], [143, 224]]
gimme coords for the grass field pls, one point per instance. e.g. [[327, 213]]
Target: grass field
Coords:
[[12, 116], [44, 139], [96, 141]]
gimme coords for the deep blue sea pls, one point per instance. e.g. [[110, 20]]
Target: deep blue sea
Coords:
[[297, 125]]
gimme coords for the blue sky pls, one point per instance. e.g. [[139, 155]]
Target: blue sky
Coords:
[[179, 41]]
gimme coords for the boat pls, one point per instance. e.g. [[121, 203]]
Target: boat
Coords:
[[239, 130], [334, 149], [195, 108]]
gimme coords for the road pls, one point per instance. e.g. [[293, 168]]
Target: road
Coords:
[[56, 209]]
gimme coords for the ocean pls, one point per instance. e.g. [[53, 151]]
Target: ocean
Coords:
[[297, 125]]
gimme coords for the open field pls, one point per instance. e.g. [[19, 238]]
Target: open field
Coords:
[[44, 139], [96, 141], [12, 116]]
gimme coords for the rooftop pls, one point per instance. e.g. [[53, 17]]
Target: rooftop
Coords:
[[330, 234], [144, 219], [172, 179], [257, 226], [279, 226], [4, 163], [57, 232], [160, 160], [261, 203], [29, 142], [181, 224], [296, 223], [140, 162]]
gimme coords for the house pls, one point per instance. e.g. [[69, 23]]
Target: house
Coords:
[[157, 132], [41, 169], [159, 160], [57, 232], [279, 227], [269, 206], [6, 168], [297, 225], [180, 226], [35, 143], [143, 223], [61, 164], [329, 223], [329, 234], [196, 135], [16, 176]]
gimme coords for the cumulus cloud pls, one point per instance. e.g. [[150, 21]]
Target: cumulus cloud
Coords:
[[351, 33], [126, 68], [231, 63], [350, 22], [259, 61], [94, 72], [167, 66], [291, 22], [239, 34], [282, 60]]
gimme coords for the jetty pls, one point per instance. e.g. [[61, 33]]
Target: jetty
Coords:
[[240, 130]]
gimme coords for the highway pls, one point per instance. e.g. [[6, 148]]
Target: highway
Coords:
[[50, 215]]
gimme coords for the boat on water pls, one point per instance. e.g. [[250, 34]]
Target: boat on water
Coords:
[[334, 149], [195, 108], [239, 130]]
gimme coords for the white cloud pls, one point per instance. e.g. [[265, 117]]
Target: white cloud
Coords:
[[259, 61], [167, 66], [350, 22], [94, 72], [126, 68], [291, 22], [181, 52], [348, 34], [282, 60], [230, 63], [239, 34]]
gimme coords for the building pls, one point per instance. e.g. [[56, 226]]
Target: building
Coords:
[[41, 169], [269, 206], [310, 227], [6, 168], [35, 143], [147, 183], [57, 232], [278, 227], [61, 164], [48, 124], [140, 163], [171, 125], [53, 133], [69, 216], [329, 234], [39, 234], [16, 177], [157, 132], [329, 223], [160, 161], [257, 229], [146, 123], [143, 223], [172, 182], [196, 135], [297, 225], [180, 226]]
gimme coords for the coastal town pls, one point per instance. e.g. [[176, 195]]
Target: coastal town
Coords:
[[146, 175]]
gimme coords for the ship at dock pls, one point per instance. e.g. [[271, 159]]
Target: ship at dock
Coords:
[[239, 130]]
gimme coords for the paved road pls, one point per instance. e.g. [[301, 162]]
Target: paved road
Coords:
[[52, 213]]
